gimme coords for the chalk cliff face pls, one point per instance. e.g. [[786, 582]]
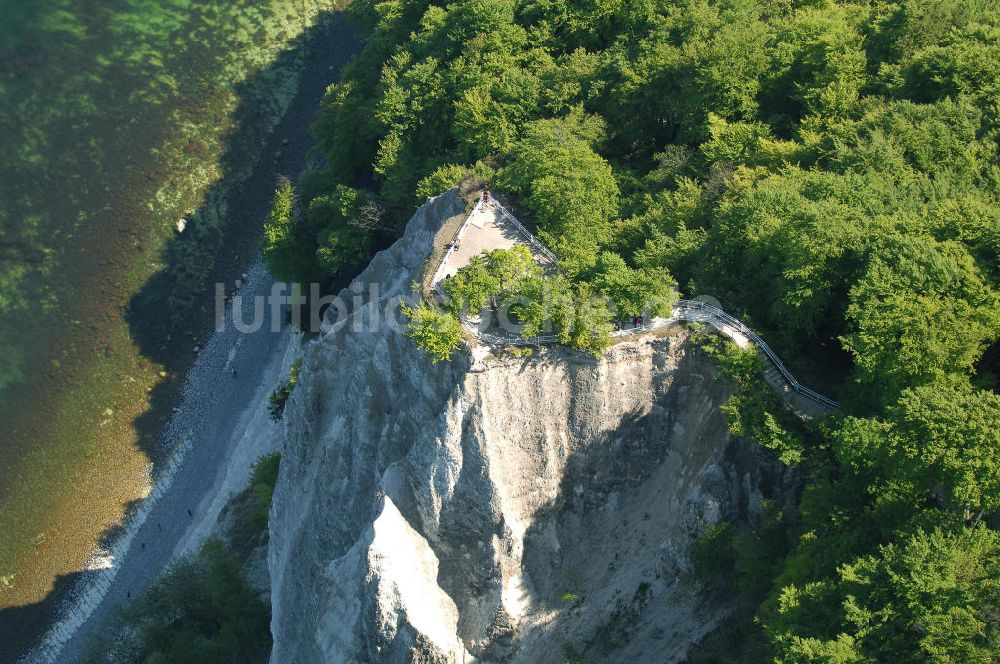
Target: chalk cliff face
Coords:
[[496, 508]]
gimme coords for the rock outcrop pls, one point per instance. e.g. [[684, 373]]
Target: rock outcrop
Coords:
[[496, 509]]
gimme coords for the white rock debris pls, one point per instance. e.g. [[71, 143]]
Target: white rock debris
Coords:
[[498, 509]]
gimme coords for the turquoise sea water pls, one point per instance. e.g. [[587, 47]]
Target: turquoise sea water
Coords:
[[116, 118]]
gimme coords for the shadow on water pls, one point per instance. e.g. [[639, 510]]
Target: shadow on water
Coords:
[[174, 310]]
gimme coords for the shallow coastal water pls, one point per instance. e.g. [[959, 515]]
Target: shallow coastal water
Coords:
[[116, 119]]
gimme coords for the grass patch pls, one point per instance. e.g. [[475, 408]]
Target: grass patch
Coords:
[[569, 596], [251, 509], [279, 397], [572, 590]]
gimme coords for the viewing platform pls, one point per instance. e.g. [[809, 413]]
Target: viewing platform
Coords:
[[491, 226]]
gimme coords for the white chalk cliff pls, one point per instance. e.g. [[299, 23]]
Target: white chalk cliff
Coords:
[[497, 509]]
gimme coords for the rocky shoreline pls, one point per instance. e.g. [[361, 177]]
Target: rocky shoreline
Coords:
[[245, 203]]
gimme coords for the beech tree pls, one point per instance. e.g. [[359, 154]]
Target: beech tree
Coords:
[[634, 292], [920, 311], [436, 332], [939, 441], [282, 245], [827, 170], [931, 597], [583, 319], [498, 274], [569, 186]]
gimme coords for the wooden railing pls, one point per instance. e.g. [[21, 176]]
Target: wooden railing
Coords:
[[684, 310], [532, 240]]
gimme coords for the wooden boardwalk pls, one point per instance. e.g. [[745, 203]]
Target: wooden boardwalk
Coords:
[[491, 226]]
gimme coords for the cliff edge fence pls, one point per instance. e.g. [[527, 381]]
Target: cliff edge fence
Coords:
[[489, 225]]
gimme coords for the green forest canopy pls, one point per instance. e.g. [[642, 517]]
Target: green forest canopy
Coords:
[[828, 169]]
